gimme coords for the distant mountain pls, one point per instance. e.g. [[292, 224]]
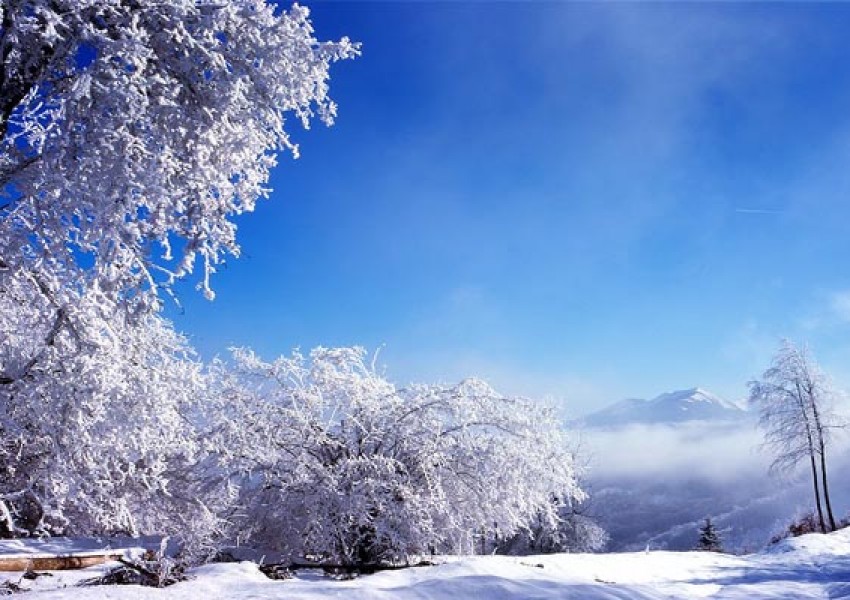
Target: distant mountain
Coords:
[[694, 404]]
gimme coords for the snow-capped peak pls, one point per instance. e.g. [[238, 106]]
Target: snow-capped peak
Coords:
[[693, 396], [692, 404]]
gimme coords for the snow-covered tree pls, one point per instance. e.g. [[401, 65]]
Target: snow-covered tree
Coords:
[[795, 400], [573, 532], [92, 428], [709, 539], [131, 131], [339, 463], [579, 533]]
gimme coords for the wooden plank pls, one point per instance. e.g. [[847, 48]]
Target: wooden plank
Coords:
[[55, 563]]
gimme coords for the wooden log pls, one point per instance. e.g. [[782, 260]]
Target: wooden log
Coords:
[[57, 563]]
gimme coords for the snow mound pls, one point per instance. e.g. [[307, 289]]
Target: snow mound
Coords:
[[813, 544]]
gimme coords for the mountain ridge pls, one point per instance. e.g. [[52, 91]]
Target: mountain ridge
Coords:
[[679, 406]]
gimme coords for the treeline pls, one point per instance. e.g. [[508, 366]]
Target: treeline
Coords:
[[117, 427]]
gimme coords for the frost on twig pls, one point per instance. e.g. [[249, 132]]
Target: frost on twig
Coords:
[[131, 133]]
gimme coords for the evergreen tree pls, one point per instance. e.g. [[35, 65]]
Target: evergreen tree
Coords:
[[709, 539]]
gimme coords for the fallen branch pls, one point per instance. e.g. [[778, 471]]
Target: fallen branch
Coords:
[[136, 573]]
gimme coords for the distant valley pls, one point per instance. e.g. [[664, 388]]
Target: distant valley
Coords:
[[658, 467]]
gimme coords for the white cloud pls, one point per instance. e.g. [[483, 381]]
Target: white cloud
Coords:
[[713, 450]]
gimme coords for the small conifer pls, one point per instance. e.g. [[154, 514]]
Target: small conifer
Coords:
[[709, 539]]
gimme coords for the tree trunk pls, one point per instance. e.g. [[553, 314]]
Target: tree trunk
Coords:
[[814, 398], [819, 431], [826, 489], [817, 493], [800, 399]]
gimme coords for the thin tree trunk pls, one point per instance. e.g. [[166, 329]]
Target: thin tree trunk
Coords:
[[826, 488], [821, 446], [807, 419], [817, 493]]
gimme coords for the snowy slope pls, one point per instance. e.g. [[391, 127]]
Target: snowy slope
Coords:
[[808, 567], [694, 404]]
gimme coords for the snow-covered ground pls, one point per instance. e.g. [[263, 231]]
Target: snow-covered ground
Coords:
[[814, 566]]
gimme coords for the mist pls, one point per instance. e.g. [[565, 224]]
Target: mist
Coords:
[[718, 451], [652, 485]]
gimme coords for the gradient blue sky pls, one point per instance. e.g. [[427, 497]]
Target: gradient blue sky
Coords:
[[579, 201]]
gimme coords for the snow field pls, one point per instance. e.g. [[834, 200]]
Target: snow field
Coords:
[[814, 566]]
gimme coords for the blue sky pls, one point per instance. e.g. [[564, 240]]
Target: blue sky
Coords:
[[576, 201]]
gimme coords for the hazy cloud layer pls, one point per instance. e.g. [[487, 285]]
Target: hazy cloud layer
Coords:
[[652, 485], [698, 449]]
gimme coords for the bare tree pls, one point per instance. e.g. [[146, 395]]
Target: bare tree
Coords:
[[795, 398]]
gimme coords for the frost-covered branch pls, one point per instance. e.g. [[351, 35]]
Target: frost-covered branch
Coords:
[[132, 132], [336, 467]]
